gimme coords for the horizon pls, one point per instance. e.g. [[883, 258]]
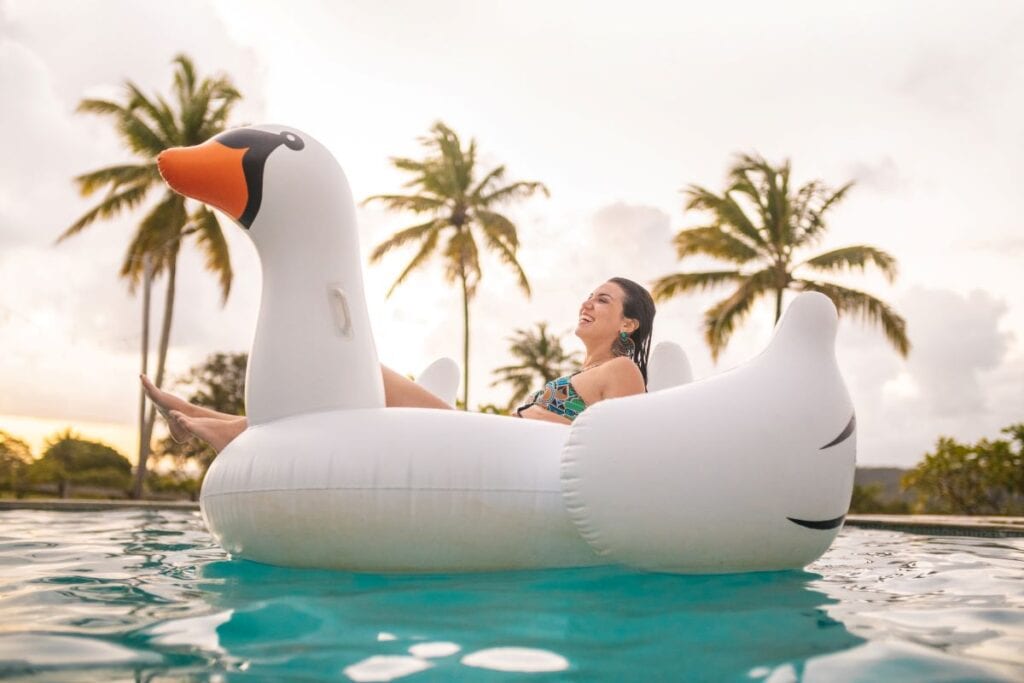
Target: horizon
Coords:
[[918, 109]]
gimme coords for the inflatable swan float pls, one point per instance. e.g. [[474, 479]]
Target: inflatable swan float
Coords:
[[748, 470]]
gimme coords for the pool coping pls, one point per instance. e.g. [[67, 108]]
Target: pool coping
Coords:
[[943, 525], [86, 504], [935, 525]]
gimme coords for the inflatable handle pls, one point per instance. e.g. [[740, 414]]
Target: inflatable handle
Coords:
[[339, 307]]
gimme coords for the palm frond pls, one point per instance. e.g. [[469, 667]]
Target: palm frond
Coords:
[[426, 249], [116, 177], [111, 206], [447, 176], [714, 241], [725, 210], [866, 307], [402, 237], [157, 237], [519, 190], [812, 219], [207, 109], [193, 113], [96, 106], [160, 115], [722, 319], [496, 234], [672, 285], [770, 185], [139, 137], [414, 166], [504, 228], [494, 175], [407, 202], [750, 190], [856, 257], [214, 246], [184, 78], [216, 121]]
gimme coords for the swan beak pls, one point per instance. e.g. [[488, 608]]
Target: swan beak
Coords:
[[211, 173]]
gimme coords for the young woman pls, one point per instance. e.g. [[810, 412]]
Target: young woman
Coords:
[[614, 324]]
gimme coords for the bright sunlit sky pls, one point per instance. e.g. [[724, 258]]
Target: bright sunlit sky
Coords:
[[615, 106]]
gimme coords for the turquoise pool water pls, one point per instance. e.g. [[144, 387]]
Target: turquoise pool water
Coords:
[[144, 595]]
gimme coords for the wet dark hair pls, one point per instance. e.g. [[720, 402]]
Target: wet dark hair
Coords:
[[638, 305]]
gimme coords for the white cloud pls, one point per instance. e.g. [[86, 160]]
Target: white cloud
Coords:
[[955, 340], [961, 378]]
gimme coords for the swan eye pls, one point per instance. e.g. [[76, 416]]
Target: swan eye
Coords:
[[843, 435]]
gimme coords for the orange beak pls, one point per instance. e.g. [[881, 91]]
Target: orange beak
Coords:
[[210, 172]]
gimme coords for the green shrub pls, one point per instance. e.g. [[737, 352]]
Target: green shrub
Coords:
[[985, 478]]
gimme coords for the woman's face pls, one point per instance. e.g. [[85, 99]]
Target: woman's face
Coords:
[[601, 317]]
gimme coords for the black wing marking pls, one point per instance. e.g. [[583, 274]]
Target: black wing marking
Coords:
[[819, 523], [843, 435]]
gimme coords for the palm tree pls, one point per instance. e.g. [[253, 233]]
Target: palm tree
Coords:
[[199, 110], [756, 224], [451, 191], [541, 359]]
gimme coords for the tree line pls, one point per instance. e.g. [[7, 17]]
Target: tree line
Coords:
[[70, 466], [754, 226]]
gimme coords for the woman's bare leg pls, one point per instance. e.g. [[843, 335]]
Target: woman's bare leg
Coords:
[[168, 401], [213, 430], [218, 429], [402, 392]]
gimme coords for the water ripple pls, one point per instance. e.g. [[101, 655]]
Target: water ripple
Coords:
[[146, 594]]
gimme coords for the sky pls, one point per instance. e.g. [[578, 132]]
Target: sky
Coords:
[[615, 107]]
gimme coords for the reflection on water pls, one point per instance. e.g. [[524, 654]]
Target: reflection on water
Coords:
[[596, 622], [144, 594]]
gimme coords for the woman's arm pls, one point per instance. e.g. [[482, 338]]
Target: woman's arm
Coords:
[[536, 412]]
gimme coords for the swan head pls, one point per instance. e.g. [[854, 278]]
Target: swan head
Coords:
[[265, 178]]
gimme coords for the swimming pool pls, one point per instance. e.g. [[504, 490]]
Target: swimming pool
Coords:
[[141, 594]]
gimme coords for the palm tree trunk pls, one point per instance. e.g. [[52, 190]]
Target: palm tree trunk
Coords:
[[147, 287], [465, 339], [161, 360], [778, 304]]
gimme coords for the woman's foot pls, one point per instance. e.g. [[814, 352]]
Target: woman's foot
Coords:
[[165, 402], [216, 432]]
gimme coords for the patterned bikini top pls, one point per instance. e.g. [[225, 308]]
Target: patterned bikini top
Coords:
[[559, 397]]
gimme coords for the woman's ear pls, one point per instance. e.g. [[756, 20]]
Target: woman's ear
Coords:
[[632, 325]]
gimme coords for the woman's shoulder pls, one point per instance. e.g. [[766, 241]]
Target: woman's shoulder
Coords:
[[621, 377]]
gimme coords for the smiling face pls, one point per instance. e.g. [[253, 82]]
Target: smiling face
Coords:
[[601, 316]]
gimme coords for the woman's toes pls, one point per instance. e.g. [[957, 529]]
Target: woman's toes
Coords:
[[180, 420]]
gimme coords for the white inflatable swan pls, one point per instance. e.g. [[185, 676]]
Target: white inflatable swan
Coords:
[[441, 378], [748, 470]]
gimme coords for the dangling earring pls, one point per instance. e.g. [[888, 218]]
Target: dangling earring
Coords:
[[624, 345]]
